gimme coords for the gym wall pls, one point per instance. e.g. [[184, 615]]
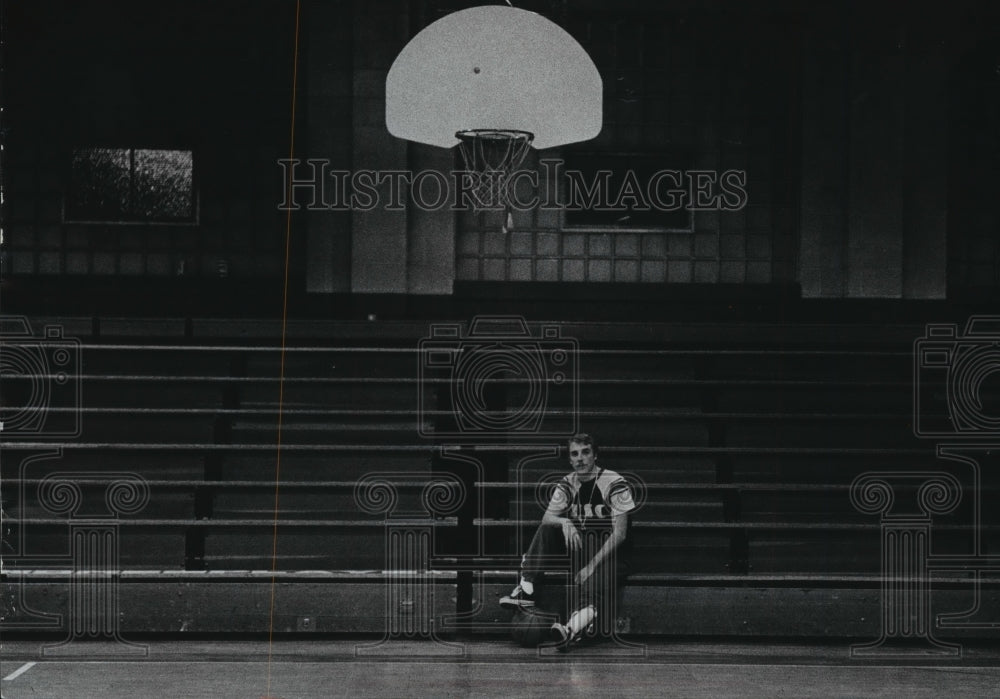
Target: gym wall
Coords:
[[865, 134]]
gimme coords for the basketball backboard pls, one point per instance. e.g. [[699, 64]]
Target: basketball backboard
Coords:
[[493, 67]]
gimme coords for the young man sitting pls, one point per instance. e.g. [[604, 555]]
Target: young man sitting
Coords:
[[587, 517]]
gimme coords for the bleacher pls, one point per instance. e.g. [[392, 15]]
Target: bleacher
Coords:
[[743, 439]]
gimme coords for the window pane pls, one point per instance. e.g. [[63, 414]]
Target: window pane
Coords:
[[99, 185], [163, 185], [121, 185]]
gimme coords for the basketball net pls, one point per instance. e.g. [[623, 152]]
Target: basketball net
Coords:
[[491, 156]]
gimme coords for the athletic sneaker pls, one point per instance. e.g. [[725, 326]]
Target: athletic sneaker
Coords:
[[564, 638], [518, 599], [561, 634]]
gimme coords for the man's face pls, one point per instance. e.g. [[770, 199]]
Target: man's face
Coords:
[[583, 460]]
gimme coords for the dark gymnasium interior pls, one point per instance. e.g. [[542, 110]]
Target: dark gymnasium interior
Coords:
[[229, 405]]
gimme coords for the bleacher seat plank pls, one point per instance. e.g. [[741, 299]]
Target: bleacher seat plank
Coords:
[[142, 327], [342, 605]]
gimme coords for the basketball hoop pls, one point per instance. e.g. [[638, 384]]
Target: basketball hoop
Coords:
[[491, 156], [460, 72]]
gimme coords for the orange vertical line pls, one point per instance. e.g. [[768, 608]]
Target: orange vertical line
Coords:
[[281, 375]]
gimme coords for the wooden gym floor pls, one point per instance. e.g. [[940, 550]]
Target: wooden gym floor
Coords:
[[319, 669]]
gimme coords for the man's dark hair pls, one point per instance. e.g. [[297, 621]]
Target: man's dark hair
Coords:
[[584, 438]]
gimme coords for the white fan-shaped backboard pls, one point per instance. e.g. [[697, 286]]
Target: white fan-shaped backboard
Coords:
[[493, 67]]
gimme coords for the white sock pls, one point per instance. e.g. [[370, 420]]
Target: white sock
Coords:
[[581, 619], [528, 587]]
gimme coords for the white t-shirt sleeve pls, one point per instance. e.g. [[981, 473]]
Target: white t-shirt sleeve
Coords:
[[620, 497], [562, 498]]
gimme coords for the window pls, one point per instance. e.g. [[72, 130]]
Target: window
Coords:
[[131, 185]]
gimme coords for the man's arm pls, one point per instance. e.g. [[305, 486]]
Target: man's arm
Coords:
[[619, 527], [554, 517]]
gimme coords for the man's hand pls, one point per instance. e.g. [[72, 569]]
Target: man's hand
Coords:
[[572, 536]]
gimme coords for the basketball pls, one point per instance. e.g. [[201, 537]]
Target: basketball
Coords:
[[529, 628]]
